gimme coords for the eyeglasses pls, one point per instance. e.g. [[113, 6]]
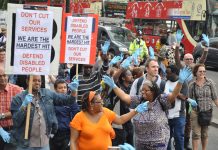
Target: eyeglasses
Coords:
[[202, 71], [189, 59], [98, 102], [144, 91]]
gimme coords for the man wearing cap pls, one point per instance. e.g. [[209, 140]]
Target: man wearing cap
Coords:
[[139, 43]]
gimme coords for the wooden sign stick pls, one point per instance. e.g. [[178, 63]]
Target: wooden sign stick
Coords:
[[28, 110]]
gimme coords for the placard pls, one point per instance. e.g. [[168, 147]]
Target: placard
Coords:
[[56, 36], [33, 40]]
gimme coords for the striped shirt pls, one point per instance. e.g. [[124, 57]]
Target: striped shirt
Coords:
[[5, 101], [93, 83], [204, 94]]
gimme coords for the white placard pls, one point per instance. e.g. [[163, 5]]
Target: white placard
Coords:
[[33, 40], [78, 40]]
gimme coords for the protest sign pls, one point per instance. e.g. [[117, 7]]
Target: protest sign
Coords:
[[56, 34], [80, 40], [33, 39]]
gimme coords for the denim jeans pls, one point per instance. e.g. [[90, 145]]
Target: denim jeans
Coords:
[[34, 148], [177, 126]]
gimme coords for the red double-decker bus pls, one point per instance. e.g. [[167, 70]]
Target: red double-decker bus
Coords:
[[155, 18]]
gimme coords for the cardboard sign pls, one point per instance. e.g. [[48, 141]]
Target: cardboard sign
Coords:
[[80, 42], [55, 47], [33, 40]]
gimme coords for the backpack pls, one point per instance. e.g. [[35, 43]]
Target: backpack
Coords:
[[139, 83]]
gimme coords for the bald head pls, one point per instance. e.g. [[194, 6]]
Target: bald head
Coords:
[[188, 59]]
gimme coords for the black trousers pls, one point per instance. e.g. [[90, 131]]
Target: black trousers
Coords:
[[122, 136], [60, 141]]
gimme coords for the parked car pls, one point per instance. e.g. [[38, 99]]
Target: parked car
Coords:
[[212, 57], [120, 38]]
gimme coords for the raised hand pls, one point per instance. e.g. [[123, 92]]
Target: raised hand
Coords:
[[126, 63], [192, 102], [179, 36], [126, 146], [28, 99], [105, 47], [74, 85], [206, 40], [184, 74], [151, 52], [142, 107], [115, 60], [137, 52], [5, 135], [189, 78], [109, 81]]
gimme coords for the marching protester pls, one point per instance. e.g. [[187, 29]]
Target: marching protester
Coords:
[[151, 127], [7, 91], [91, 128], [176, 115], [43, 121], [64, 115], [203, 90], [90, 79], [123, 78], [151, 67], [189, 61]]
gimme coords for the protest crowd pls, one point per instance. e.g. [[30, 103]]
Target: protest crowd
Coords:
[[139, 101]]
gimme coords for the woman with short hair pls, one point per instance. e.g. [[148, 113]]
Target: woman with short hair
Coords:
[[203, 90], [151, 127]]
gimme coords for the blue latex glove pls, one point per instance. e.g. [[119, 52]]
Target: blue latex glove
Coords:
[[74, 85], [28, 99], [179, 36], [105, 48], [126, 63], [189, 78], [134, 57], [142, 107], [115, 60], [137, 52], [184, 74], [109, 81], [126, 146], [151, 52], [192, 102], [206, 40], [5, 135]]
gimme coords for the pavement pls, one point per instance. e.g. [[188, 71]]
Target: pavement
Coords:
[[215, 117]]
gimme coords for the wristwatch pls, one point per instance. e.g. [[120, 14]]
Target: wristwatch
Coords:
[[2, 116]]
